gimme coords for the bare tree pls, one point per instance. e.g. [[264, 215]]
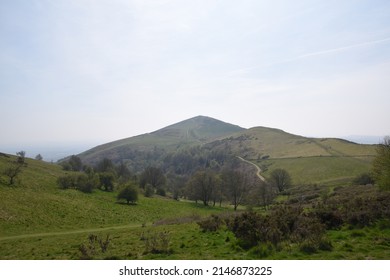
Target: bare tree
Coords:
[[281, 179], [236, 185]]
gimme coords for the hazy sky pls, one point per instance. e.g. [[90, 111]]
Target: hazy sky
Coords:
[[87, 71]]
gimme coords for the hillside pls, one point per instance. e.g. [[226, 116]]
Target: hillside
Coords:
[[188, 133], [36, 205], [183, 147], [40, 221]]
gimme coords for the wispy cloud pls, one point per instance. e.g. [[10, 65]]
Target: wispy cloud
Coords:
[[340, 49]]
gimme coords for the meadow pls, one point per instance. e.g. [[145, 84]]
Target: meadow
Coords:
[[40, 221]]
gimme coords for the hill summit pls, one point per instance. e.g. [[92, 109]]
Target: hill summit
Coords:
[[184, 134], [199, 128]]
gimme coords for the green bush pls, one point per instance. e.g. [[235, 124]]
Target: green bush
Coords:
[[214, 223], [157, 242]]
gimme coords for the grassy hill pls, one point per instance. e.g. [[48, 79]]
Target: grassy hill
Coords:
[[191, 132], [309, 160]]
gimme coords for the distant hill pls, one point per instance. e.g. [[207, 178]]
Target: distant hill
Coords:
[[202, 141], [188, 133]]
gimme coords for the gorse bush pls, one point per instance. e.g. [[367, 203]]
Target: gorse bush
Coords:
[[157, 242], [283, 223], [211, 224], [91, 248]]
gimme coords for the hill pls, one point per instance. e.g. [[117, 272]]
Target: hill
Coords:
[[308, 160], [186, 146], [136, 150]]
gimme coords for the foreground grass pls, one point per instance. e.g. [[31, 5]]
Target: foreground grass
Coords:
[[40, 221], [187, 242], [36, 205]]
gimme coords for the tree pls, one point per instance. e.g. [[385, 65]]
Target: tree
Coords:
[[15, 167], [236, 185], [13, 171], [107, 181], [73, 164], [105, 165], [124, 174], [281, 179], [154, 176], [381, 164], [21, 157], [38, 157], [129, 193], [201, 186]]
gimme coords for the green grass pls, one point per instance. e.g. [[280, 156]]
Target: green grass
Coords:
[[320, 170], [35, 204], [188, 242], [40, 221]]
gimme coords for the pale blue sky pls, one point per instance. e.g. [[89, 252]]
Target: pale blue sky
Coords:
[[86, 71]]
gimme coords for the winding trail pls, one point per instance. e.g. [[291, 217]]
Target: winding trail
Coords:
[[255, 165], [45, 234]]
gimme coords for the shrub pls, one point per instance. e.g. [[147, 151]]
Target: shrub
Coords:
[[364, 179], [247, 228], [161, 192], [149, 191], [157, 242], [211, 224], [90, 250], [332, 219]]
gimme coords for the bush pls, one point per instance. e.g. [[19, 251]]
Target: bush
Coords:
[[90, 250], [211, 224], [332, 219], [364, 179], [149, 191], [161, 192], [157, 242], [247, 228]]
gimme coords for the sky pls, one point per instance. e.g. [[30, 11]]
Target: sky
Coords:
[[87, 72]]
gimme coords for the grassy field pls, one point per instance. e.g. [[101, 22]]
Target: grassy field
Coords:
[[319, 170], [40, 221], [187, 242]]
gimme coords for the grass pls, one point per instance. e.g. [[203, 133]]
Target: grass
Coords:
[[50, 223], [319, 170], [36, 204], [187, 242]]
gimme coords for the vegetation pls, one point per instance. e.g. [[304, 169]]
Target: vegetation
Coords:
[[129, 193], [14, 168], [281, 179], [318, 200], [381, 164]]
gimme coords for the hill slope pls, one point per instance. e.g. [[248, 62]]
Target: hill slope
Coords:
[[308, 160], [183, 147], [191, 132]]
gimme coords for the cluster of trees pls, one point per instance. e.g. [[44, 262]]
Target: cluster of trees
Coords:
[[236, 186], [105, 175]]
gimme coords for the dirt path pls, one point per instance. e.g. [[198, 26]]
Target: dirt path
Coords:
[[255, 165], [45, 234]]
